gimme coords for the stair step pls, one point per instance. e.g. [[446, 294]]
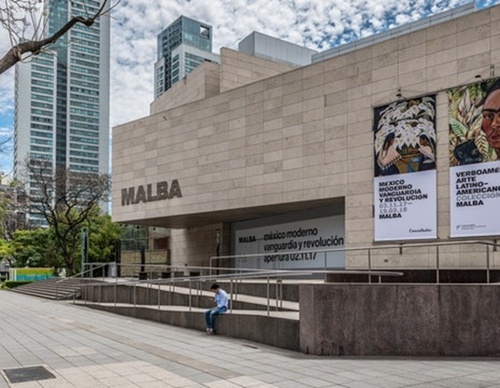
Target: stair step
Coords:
[[52, 288]]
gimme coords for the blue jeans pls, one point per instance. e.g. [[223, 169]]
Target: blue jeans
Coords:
[[211, 314]]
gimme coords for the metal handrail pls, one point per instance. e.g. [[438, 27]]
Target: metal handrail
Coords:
[[268, 276], [371, 248], [193, 289], [78, 275]]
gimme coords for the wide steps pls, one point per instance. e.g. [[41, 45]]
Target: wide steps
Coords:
[[53, 288]]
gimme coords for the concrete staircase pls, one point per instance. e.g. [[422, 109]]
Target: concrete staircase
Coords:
[[53, 288]]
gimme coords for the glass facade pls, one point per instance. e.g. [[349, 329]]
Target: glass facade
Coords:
[[67, 97], [183, 32]]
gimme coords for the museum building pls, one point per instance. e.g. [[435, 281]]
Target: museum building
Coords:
[[380, 154]]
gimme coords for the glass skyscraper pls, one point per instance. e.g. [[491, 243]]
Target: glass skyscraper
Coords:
[[62, 97], [182, 46]]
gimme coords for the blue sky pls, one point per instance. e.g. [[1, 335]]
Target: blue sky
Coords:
[[317, 24]]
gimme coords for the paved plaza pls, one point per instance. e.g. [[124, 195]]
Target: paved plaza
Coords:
[[75, 346]]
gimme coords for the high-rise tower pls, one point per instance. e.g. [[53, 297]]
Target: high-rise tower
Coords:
[[62, 97], [182, 46]]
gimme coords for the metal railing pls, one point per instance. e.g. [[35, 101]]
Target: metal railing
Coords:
[[80, 276], [192, 286], [488, 246]]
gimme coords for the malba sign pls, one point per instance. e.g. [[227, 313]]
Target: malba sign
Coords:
[[151, 192]]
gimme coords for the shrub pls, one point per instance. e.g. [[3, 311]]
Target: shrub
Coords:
[[13, 284]]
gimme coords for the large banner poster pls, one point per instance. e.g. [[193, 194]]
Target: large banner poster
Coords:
[[292, 245], [474, 132], [405, 170]]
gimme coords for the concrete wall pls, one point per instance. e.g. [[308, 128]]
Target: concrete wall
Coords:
[[400, 320], [281, 333], [344, 319]]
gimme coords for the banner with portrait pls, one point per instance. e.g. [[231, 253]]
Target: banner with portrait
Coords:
[[474, 133], [405, 170]]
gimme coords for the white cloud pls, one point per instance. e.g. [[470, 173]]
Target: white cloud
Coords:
[[315, 24]]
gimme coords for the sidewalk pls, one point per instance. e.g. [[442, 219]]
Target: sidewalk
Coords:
[[82, 347]]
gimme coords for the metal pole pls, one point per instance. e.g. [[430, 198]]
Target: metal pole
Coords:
[[276, 293], [281, 292], [268, 303], [437, 264], [487, 264], [369, 265], [236, 282], [84, 236], [198, 293], [159, 296], [231, 297], [190, 303]]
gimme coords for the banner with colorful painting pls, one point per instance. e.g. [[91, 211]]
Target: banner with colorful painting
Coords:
[[474, 132], [405, 170]]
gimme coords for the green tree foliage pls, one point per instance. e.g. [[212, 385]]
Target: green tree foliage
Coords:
[[34, 248], [102, 239], [38, 248], [5, 251]]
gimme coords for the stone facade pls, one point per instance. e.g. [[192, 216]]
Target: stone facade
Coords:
[[298, 139]]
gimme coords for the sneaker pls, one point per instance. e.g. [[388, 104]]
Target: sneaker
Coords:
[[210, 331]]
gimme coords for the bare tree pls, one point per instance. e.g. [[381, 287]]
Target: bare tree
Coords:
[[67, 200], [25, 21]]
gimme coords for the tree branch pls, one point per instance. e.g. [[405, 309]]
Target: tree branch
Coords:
[[15, 54]]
